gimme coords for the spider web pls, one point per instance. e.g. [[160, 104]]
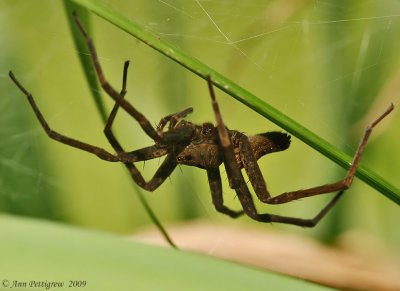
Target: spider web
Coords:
[[331, 66]]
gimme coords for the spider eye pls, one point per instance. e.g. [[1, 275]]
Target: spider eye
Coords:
[[207, 129], [185, 158]]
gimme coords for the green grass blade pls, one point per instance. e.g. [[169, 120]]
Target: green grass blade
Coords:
[[83, 53], [241, 94], [154, 218], [91, 78], [42, 251]]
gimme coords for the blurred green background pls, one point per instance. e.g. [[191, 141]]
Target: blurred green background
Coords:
[[330, 65]]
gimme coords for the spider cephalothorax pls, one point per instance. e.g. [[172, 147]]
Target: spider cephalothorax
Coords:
[[205, 146]]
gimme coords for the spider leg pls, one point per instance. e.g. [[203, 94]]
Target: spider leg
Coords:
[[163, 172], [147, 153], [173, 119], [252, 169], [249, 208], [107, 129], [214, 179], [101, 153], [259, 186], [258, 183], [257, 180], [232, 171], [139, 117]]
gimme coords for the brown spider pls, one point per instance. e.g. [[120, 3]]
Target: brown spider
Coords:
[[204, 146]]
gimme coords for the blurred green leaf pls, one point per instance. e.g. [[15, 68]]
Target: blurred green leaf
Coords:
[[50, 252]]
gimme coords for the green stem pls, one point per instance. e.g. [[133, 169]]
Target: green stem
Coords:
[[83, 54]]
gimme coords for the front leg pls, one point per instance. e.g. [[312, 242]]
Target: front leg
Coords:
[[172, 119]]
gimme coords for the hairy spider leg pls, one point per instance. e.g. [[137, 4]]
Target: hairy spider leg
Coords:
[[139, 117], [225, 141], [173, 119], [214, 179], [101, 153], [234, 175], [165, 169], [258, 183]]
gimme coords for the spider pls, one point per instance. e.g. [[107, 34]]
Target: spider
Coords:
[[204, 146]]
